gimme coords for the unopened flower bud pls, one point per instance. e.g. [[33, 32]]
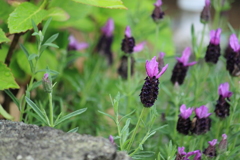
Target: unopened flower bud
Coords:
[[47, 83], [223, 143]]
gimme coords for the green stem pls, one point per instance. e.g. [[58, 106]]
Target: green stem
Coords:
[[201, 42], [157, 36], [50, 109], [119, 131], [135, 130], [129, 68]]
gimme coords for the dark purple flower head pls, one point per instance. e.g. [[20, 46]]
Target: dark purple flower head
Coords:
[[223, 90], [158, 3], [152, 68], [213, 142], [185, 57], [184, 112], [128, 32], [234, 43], [215, 36], [108, 28], [75, 45], [205, 14], [139, 47], [202, 112]]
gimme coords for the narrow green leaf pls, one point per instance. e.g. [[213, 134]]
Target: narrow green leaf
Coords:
[[36, 84], [6, 79], [52, 38], [51, 45], [5, 114], [160, 127], [32, 56], [46, 25], [36, 109], [15, 100], [35, 28], [3, 38], [112, 4], [70, 115], [127, 115], [27, 55], [74, 130], [107, 115], [20, 19], [125, 131]]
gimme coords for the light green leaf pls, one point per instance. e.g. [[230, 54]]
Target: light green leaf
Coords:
[[32, 56], [20, 19], [70, 115], [51, 45], [6, 79], [3, 38], [112, 4], [36, 109], [74, 130], [58, 14], [5, 114], [15, 100]]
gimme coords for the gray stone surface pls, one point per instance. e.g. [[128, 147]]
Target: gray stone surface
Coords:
[[20, 141]]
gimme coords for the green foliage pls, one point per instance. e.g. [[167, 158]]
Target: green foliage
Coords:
[[20, 19], [6, 80], [5, 114], [112, 4], [3, 38]]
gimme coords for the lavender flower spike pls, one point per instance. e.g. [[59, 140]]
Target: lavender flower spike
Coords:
[[111, 139], [215, 36], [181, 151], [213, 142], [108, 28], [224, 136], [75, 45], [152, 68], [181, 155], [139, 47], [202, 112], [185, 57], [184, 112], [223, 90], [223, 143], [197, 154], [158, 3], [233, 42]]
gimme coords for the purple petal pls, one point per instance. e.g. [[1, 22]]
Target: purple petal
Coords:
[[215, 36], [213, 142], [185, 57], [108, 28], [158, 3], [224, 136], [75, 45], [202, 112], [139, 47], [46, 75], [223, 90], [161, 55], [162, 71], [197, 154], [233, 41], [81, 46], [128, 32], [191, 63], [184, 112], [207, 3], [152, 67], [111, 139], [181, 151]]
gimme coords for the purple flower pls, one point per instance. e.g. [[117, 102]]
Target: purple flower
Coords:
[[45, 77], [158, 3], [202, 112], [181, 151], [152, 68], [215, 36], [111, 139], [128, 32], [197, 154], [223, 90], [108, 28], [213, 142], [75, 45], [185, 57], [184, 112], [207, 3], [233, 42], [224, 136], [139, 47]]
